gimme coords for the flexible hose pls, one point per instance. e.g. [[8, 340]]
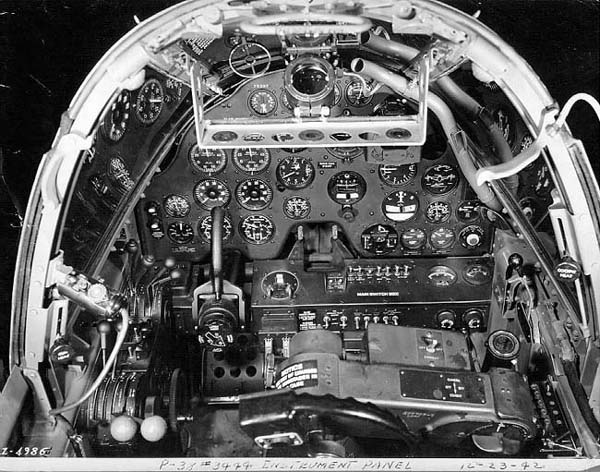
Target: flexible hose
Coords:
[[111, 359], [444, 114]]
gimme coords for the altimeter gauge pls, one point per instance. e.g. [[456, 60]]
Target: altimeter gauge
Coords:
[[295, 172], [150, 101]]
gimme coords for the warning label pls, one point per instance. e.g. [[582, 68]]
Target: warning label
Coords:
[[299, 375]]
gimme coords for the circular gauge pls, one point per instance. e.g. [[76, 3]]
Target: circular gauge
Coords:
[[471, 236], [180, 233], [210, 193], [176, 206], [296, 208], [149, 102], [251, 160], [400, 205], [442, 238], [280, 285], [468, 210], [413, 239], [207, 161], [397, 175], [437, 212], [118, 172], [117, 118], [254, 194], [295, 172], [257, 229], [205, 228], [477, 274], [526, 141], [543, 184], [346, 188], [440, 179], [346, 153], [355, 94], [262, 102], [441, 276], [379, 239]]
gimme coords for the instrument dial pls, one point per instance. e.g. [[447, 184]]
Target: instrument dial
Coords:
[[471, 236], [347, 188], [355, 94], [296, 208], [254, 194], [176, 206], [295, 172], [150, 101], [379, 239], [251, 160], [205, 228], [180, 233], [477, 274], [257, 229], [346, 153], [263, 102], [440, 179], [119, 174], [437, 212], [468, 210], [280, 285], [210, 193], [400, 205], [413, 239], [442, 238], [397, 175], [116, 121], [207, 161], [441, 276]]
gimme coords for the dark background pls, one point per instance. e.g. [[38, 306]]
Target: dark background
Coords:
[[47, 47]]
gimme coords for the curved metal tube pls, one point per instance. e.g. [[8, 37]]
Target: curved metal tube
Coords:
[[457, 94], [444, 115], [216, 243]]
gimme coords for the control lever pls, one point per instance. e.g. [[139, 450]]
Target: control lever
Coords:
[[216, 242]]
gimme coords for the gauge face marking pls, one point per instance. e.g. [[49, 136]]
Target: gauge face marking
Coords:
[[471, 236], [441, 276], [296, 208], [400, 205], [263, 102], [254, 194], [118, 172], [251, 160], [397, 175], [176, 206], [257, 229], [437, 212], [116, 120], [207, 161], [440, 179], [295, 172], [210, 193], [150, 101], [468, 210], [442, 238], [205, 228], [413, 239], [347, 188], [379, 239], [180, 233]]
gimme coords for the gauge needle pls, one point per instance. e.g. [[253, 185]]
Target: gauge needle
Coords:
[[155, 100]]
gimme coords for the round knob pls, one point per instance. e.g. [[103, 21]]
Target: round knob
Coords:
[[123, 428], [153, 428]]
